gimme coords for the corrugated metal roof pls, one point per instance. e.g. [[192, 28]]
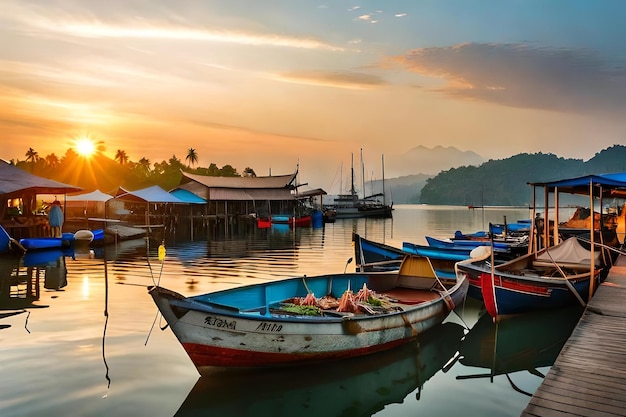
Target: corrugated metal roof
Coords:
[[277, 181], [234, 194], [14, 180]]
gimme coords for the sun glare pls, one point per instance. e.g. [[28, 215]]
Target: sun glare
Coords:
[[85, 147]]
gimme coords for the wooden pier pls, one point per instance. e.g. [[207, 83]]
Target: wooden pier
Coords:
[[589, 375]]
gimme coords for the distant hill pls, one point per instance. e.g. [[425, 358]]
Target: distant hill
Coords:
[[407, 174], [505, 182], [429, 161], [403, 190]]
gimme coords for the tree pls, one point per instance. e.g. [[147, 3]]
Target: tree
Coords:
[[249, 172], [52, 160], [143, 167], [228, 171], [192, 157], [121, 156], [32, 156]]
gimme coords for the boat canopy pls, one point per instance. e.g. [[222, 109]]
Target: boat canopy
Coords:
[[611, 185]]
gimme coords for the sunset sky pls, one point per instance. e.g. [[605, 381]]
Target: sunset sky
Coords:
[[268, 84]]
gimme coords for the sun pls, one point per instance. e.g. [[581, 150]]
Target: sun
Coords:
[[85, 147]]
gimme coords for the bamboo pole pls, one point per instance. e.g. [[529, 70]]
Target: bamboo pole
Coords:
[[592, 238], [555, 234]]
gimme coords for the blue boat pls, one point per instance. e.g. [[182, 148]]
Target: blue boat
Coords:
[[555, 277], [37, 243], [9, 244], [503, 250], [443, 252], [374, 256]]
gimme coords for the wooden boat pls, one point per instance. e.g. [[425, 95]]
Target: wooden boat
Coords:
[[292, 221], [551, 278], [374, 256], [283, 322], [503, 250], [354, 387], [263, 223]]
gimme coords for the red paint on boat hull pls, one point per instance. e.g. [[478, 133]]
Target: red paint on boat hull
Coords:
[[202, 355]]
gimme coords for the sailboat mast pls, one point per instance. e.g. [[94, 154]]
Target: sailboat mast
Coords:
[[383, 162], [352, 191], [362, 174]]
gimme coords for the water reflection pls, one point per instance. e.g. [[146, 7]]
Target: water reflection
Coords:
[[518, 343], [21, 276], [355, 387]]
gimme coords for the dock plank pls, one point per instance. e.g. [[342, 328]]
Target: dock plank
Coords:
[[589, 376]]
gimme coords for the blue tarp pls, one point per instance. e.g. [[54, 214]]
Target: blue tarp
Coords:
[[188, 196], [154, 194], [580, 185]]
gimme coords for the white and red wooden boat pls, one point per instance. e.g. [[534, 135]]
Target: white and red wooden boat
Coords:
[[309, 319]]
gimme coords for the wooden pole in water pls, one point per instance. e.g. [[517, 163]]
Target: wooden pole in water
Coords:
[[555, 234], [546, 218], [592, 269]]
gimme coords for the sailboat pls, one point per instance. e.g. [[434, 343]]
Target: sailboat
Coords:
[[349, 206]]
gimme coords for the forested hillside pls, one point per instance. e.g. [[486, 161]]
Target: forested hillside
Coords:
[[505, 182]]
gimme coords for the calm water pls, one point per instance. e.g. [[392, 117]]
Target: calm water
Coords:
[[90, 347]]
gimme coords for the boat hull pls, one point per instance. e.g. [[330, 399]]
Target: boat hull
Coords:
[[505, 292], [217, 335]]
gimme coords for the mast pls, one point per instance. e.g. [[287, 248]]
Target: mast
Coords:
[[362, 174], [383, 163], [352, 191]]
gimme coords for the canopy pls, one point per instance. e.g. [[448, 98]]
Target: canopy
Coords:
[[96, 195], [154, 194], [15, 181], [613, 185], [187, 196]]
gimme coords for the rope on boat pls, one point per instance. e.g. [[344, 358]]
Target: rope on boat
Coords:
[[569, 284]]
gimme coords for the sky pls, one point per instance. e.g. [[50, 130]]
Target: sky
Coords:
[[278, 84]]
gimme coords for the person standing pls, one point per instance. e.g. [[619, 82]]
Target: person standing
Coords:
[[55, 218]]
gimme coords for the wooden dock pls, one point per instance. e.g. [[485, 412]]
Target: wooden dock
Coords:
[[589, 375]]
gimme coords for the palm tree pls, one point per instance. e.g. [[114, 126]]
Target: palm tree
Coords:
[[121, 156], [32, 156], [192, 157], [52, 160]]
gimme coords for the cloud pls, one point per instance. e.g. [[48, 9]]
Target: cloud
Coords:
[[349, 80], [522, 75], [43, 22]]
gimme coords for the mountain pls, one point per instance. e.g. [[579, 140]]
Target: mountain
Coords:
[[430, 161], [402, 190], [505, 182]]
